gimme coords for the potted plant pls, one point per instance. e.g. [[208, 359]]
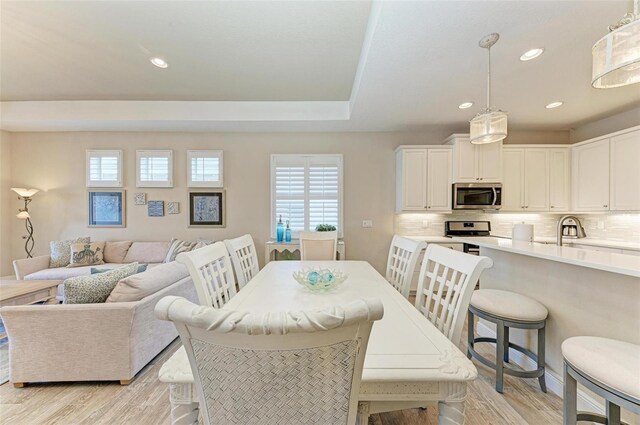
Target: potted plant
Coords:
[[325, 228]]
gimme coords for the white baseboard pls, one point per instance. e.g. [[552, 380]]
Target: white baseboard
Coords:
[[554, 382]]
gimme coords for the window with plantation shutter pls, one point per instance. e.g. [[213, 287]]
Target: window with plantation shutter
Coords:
[[204, 169], [306, 191], [154, 168], [104, 168]]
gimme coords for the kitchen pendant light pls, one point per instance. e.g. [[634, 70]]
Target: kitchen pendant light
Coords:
[[616, 56], [490, 125]]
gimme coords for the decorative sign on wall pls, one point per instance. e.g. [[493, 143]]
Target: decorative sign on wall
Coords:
[[156, 208], [207, 208], [107, 208], [140, 198], [173, 207]]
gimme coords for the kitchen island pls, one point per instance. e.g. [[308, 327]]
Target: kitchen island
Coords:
[[587, 292]]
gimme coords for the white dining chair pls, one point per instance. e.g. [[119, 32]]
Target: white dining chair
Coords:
[[445, 286], [318, 246], [403, 257], [243, 255], [301, 367], [212, 274]]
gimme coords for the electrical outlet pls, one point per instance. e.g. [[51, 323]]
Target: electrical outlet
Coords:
[[367, 223], [425, 224]]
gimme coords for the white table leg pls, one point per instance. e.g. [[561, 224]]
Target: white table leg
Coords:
[[184, 411], [363, 413], [451, 410]]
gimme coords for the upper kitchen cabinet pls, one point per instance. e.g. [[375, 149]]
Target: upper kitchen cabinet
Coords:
[[535, 178], [423, 179], [590, 171], [625, 171], [475, 163]]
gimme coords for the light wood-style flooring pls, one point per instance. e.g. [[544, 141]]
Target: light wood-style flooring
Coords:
[[146, 402]]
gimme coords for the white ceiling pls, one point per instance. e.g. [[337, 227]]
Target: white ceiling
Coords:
[[298, 66]]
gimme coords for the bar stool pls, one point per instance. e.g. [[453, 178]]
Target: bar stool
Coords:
[[609, 368], [507, 310]]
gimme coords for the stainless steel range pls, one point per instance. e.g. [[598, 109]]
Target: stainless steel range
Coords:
[[468, 229]]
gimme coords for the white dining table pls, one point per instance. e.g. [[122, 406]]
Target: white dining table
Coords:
[[408, 364]]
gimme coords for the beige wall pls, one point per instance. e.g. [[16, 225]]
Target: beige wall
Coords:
[[6, 213], [613, 123], [55, 163]]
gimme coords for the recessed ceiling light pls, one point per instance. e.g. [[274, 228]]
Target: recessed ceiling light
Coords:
[[465, 105], [159, 62], [554, 105], [531, 54]]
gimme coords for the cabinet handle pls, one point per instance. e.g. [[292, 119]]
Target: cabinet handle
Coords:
[[551, 206], [428, 207], [425, 207], [605, 206]]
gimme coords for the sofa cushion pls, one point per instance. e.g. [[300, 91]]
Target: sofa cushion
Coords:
[[96, 270], [138, 286], [114, 252], [95, 288], [61, 251], [87, 254], [178, 246], [63, 273], [147, 252]]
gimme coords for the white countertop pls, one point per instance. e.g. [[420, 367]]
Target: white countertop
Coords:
[[607, 261], [432, 239]]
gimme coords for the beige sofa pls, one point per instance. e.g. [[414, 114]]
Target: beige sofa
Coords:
[[37, 268], [111, 341]]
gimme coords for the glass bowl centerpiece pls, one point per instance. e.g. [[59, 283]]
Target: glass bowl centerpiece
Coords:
[[319, 279]]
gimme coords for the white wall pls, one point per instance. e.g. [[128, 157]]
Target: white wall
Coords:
[[610, 124], [55, 163], [6, 213]]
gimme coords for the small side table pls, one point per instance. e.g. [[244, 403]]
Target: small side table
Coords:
[[272, 246]]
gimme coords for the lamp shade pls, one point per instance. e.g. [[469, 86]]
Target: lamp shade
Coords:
[[25, 193], [616, 57], [23, 215], [489, 126]]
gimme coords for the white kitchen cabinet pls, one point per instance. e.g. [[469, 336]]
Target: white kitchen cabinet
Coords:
[[590, 176], [559, 180], [439, 179], [475, 163], [625, 172], [536, 180], [411, 180], [423, 179], [513, 179]]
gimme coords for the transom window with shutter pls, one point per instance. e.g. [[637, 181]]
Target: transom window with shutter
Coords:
[[104, 168], [154, 168], [204, 169], [307, 191]]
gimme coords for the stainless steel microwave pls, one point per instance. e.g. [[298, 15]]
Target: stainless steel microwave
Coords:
[[477, 196]]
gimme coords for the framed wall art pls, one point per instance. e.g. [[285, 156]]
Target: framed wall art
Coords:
[[107, 208], [207, 209], [155, 208], [173, 207]]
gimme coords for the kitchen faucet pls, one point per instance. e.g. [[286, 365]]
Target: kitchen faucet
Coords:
[[579, 229]]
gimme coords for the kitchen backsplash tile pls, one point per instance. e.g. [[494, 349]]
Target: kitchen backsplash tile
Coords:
[[612, 226]]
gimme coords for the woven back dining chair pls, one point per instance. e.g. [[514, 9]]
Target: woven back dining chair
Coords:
[[279, 368], [445, 285], [403, 257], [242, 252], [212, 274], [316, 246]]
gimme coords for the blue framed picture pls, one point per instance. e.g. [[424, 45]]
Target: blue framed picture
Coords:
[[155, 208], [207, 209], [107, 208]]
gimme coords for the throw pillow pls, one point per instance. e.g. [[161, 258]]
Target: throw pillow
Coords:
[[178, 246], [61, 251], [95, 288], [87, 254], [114, 252], [202, 243], [138, 286], [141, 268]]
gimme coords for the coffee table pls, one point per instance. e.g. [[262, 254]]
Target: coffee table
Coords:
[[25, 292]]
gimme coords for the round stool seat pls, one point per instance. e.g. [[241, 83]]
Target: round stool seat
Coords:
[[613, 363], [508, 305]]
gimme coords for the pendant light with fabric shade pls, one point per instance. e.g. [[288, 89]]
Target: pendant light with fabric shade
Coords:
[[490, 125]]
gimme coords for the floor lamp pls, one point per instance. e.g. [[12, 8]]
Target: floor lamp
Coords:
[[23, 214]]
